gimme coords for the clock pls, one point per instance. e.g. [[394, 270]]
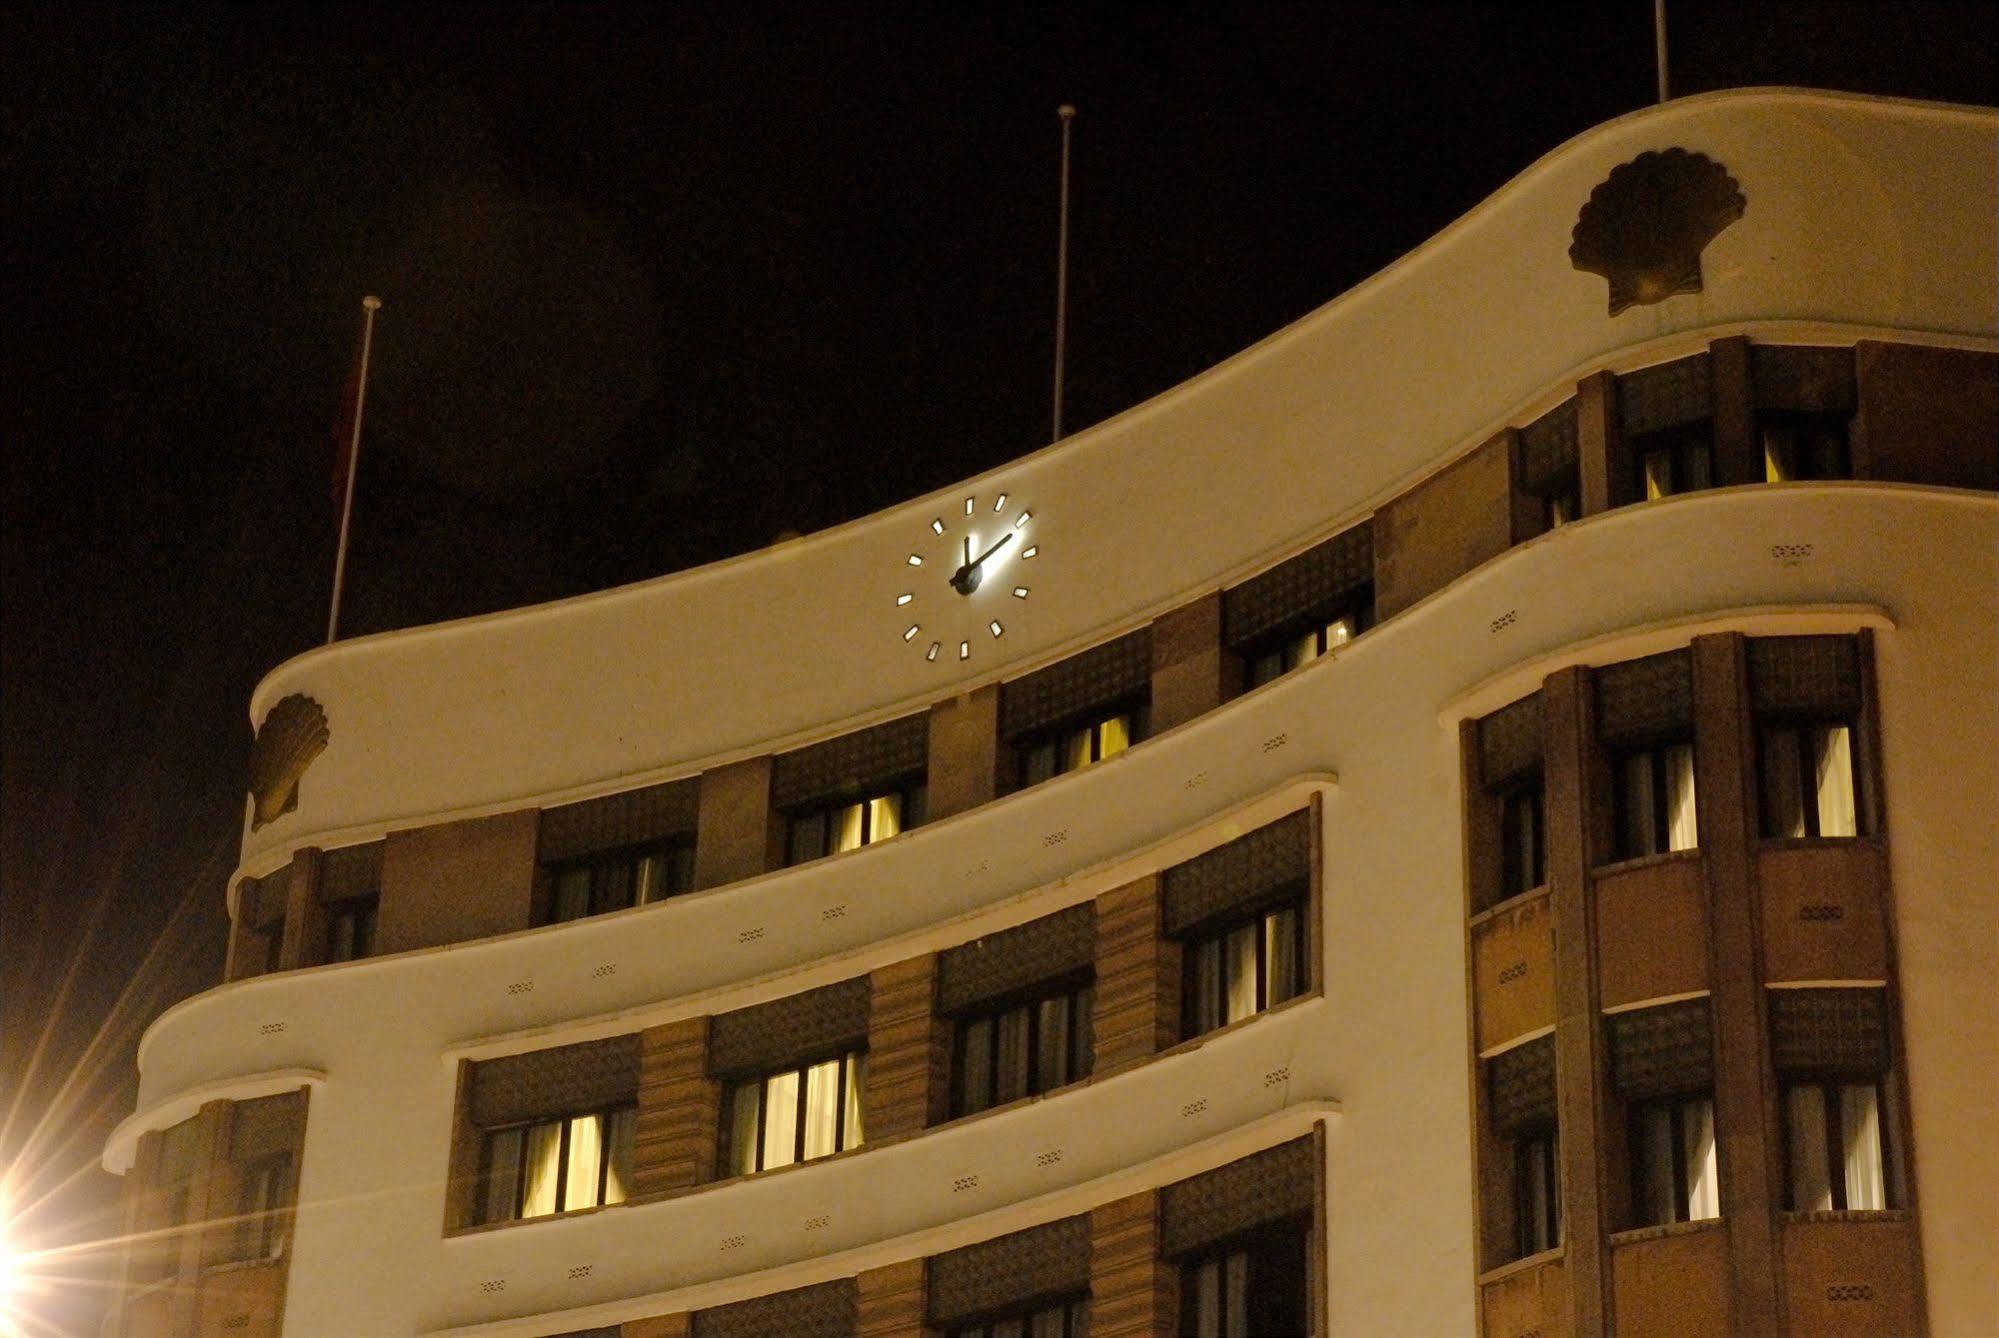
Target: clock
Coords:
[[965, 578]]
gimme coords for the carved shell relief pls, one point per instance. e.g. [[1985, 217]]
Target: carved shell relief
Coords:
[[1644, 228], [292, 735]]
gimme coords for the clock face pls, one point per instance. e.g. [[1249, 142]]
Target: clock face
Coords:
[[966, 578]]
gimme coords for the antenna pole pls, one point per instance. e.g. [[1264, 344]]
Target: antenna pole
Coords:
[[1068, 115], [1659, 46], [371, 305]]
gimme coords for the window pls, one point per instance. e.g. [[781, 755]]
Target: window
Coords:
[[262, 1190], [1254, 1287], [1675, 1174], [614, 881], [1023, 1050], [810, 1111], [1808, 780], [1070, 1319], [1075, 747], [1522, 853], [1244, 968], [1655, 800], [1836, 1147], [350, 929], [849, 826], [558, 1165], [1674, 461], [1287, 652], [1802, 446], [1537, 1193], [1562, 506]]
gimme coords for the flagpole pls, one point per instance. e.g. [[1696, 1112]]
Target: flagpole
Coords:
[[1068, 114], [1659, 46], [371, 304]]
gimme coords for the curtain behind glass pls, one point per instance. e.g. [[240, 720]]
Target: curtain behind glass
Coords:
[[1860, 1138], [1280, 953], [780, 1123], [543, 1164], [620, 1138], [1703, 1170], [503, 1175], [1051, 1023], [1832, 763], [1682, 827], [847, 827], [850, 1120], [1655, 1165], [884, 817], [586, 1162], [1640, 830], [1114, 736], [822, 1109], [1240, 954], [743, 1132]]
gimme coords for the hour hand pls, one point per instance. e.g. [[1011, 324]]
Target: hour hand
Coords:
[[1004, 540]]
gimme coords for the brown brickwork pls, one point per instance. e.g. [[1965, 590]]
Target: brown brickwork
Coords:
[[680, 1109], [1442, 528], [737, 835], [1738, 448], [1138, 977], [1133, 1292], [964, 752], [908, 1051], [1600, 459], [454, 881], [889, 1302], [1926, 415], [1192, 672]]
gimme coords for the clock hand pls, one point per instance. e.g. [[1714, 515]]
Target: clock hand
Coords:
[[1004, 540], [968, 551]]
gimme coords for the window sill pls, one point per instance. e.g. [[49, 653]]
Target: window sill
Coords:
[[1639, 1235], [1643, 862], [1524, 1264], [1848, 1215], [1816, 842], [478, 1228], [1195, 1042], [1515, 902]]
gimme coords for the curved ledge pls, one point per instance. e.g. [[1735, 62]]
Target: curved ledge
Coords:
[[1863, 215], [122, 1147]]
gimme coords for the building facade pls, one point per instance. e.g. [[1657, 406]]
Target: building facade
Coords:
[[1471, 817]]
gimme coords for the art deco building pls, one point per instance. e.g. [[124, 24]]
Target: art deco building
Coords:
[[1474, 816]]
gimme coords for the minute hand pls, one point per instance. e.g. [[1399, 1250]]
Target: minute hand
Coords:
[[1004, 540]]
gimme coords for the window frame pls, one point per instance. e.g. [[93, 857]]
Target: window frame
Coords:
[[852, 1063], [1798, 729], [1675, 1108], [1832, 1141], [1657, 752], [911, 796], [1533, 1235], [1078, 991], [1073, 1311], [603, 867], [1258, 1246], [1277, 653], [1826, 436], [1216, 933], [1681, 448], [608, 1121], [1055, 741]]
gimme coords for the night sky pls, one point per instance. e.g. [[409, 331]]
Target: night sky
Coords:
[[660, 285]]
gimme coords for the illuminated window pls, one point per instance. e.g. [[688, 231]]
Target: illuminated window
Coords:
[[1254, 1287], [1246, 966], [1655, 800], [558, 1165], [1522, 853], [1836, 1144], [350, 929], [1808, 783], [1023, 1050], [1076, 747], [611, 882], [1062, 1320], [1675, 461], [834, 828], [798, 1114], [1302, 645], [1803, 446], [1537, 1193], [1676, 1176]]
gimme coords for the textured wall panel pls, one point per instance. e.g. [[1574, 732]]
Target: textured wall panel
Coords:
[[908, 1050], [1810, 675], [1663, 1051], [1829, 1032], [1640, 701], [1266, 1187], [785, 1031], [1134, 1292], [1092, 680], [1266, 865], [1318, 582], [1137, 1009], [1040, 1264], [558, 1081], [680, 1108], [628, 818], [824, 1311], [1802, 380], [1523, 1087], [868, 761], [1050, 948]]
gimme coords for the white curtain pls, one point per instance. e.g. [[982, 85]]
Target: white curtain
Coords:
[[544, 1168], [857, 1077], [620, 1137], [743, 1132], [1860, 1136], [1832, 748], [1114, 736], [1703, 1168], [586, 1159], [847, 829], [1682, 829], [780, 1131], [884, 817], [822, 1109], [1240, 952]]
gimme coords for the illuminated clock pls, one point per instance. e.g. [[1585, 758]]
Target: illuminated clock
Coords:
[[966, 578]]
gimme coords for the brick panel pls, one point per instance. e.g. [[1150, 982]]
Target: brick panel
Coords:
[[680, 1109], [908, 1050], [1138, 977], [888, 1302], [1133, 1292]]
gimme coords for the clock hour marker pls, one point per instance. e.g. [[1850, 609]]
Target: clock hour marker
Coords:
[[931, 654], [1025, 516], [995, 625], [1020, 592], [902, 599], [964, 650], [910, 635], [937, 526], [968, 504], [1030, 550], [915, 561], [999, 503]]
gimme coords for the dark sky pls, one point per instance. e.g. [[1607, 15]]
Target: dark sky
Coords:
[[660, 284]]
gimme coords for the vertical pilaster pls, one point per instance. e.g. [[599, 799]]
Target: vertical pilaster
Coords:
[[890, 1302], [1601, 465], [1138, 977], [1527, 514], [1586, 1140], [1190, 666], [137, 1213], [1745, 1098], [908, 1050], [203, 1204], [737, 834], [305, 921], [1738, 453], [461, 1184], [1133, 1292], [964, 752], [680, 1109]]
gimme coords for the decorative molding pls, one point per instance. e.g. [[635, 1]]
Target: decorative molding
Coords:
[[1644, 228], [292, 735]]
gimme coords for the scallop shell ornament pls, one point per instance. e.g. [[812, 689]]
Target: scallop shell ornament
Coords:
[[292, 735], [1645, 227]]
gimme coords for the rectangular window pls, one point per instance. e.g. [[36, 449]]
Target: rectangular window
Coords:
[[262, 1190], [1300, 646], [350, 929], [612, 882], [1244, 968], [1068, 1319], [1562, 506], [795, 1115], [1808, 782], [1836, 1145], [1522, 857], [558, 1165], [1023, 1050], [1252, 1288], [834, 828], [1076, 747], [1675, 1174], [1675, 461], [1655, 800], [1537, 1194], [1804, 446]]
